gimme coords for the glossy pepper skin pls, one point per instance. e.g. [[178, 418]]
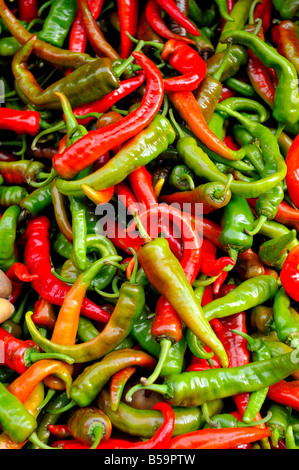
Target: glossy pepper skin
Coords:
[[236, 218], [286, 319], [285, 36], [286, 90], [137, 152], [58, 22], [81, 86], [16, 421], [287, 9], [164, 270]]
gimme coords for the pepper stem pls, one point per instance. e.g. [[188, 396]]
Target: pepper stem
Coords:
[[48, 179], [37, 442], [160, 388], [261, 220], [157, 45], [50, 394], [233, 253], [67, 407], [175, 124], [196, 346], [220, 193], [165, 344], [251, 11], [141, 229], [98, 433], [187, 177], [135, 268], [36, 356], [217, 75], [118, 71], [253, 344]]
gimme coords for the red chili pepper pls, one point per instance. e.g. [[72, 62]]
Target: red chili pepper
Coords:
[[187, 82], [153, 15], [125, 195], [263, 10], [119, 236], [289, 274], [209, 265], [160, 440], [128, 21], [286, 393], [183, 58], [104, 104], [59, 430], [18, 274], [37, 260], [141, 184], [44, 314], [259, 75], [28, 10], [85, 151], [223, 438], [13, 345], [292, 176], [228, 140], [19, 121], [226, 93], [172, 9]]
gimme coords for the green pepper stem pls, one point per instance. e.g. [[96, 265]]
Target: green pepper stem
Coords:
[[59, 126], [50, 394], [165, 344], [141, 229], [220, 193], [48, 178], [37, 442], [261, 220], [253, 344], [233, 253], [251, 11], [61, 278], [154, 44], [98, 433], [217, 75], [36, 356], [135, 269], [160, 388], [196, 346], [175, 125], [118, 71], [67, 407], [187, 177]]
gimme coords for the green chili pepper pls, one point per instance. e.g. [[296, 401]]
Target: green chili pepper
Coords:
[[239, 14], [286, 319], [275, 167], [286, 102], [49, 416], [144, 423], [12, 195], [128, 308], [274, 252], [240, 87], [256, 400], [196, 388], [237, 58], [15, 420], [37, 200], [157, 136], [273, 229], [250, 293], [8, 227], [201, 17], [288, 9], [181, 178], [236, 218], [278, 422], [58, 22], [79, 229], [84, 85]]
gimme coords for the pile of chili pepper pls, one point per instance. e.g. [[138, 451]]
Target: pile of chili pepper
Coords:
[[149, 219]]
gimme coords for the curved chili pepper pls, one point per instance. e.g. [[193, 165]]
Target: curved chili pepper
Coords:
[[108, 137], [225, 438], [18, 274], [23, 385], [210, 266], [43, 50], [274, 252], [289, 273], [153, 15], [96, 38], [38, 262], [183, 58], [117, 385], [174, 12], [129, 306], [286, 89], [103, 104], [141, 184], [75, 85]]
